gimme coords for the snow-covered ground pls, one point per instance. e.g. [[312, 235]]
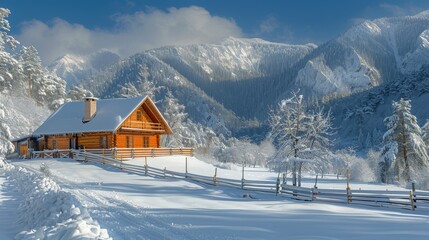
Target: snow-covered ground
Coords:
[[131, 206]]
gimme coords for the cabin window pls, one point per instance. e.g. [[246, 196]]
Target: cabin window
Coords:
[[72, 142], [129, 141], [145, 141], [103, 141], [54, 143], [139, 115]]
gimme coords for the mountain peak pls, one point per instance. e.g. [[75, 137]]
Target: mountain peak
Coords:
[[424, 14], [74, 68]]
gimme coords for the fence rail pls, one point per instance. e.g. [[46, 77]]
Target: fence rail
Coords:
[[392, 199], [116, 153]]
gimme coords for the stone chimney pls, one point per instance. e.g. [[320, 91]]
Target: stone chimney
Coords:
[[90, 108]]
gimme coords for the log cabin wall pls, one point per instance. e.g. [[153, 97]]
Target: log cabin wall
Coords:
[[57, 142], [137, 141], [95, 141]]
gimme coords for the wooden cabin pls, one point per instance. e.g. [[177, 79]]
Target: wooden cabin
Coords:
[[100, 124]]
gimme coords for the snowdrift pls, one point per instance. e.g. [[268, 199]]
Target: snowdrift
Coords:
[[47, 211]]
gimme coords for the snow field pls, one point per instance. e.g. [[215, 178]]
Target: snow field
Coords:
[[48, 212], [133, 206]]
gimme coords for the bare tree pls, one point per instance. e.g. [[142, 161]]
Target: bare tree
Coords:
[[299, 134]]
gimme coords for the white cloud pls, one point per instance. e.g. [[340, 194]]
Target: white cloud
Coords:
[[268, 25], [132, 33]]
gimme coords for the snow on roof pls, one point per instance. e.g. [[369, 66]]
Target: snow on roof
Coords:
[[21, 138], [109, 116]]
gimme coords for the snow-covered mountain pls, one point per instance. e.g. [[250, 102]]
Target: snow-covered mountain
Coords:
[[222, 84], [216, 82], [233, 59], [367, 55], [74, 68]]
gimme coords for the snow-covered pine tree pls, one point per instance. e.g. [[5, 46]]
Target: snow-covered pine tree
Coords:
[[148, 88], [78, 92], [43, 86], [5, 38], [425, 134], [8, 66], [404, 152], [361, 140], [31, 66], [368, 141], [175, 115], [128, 91]]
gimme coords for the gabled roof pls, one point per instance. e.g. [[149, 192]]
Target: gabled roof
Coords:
[[110, 115]]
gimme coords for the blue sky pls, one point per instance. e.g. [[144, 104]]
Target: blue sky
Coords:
[[79, 26]]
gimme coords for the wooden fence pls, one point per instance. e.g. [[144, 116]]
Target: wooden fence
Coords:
[[392, 199], [116, 153]]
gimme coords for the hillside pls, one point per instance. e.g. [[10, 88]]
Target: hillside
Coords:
[[224, 85], [74, 68]]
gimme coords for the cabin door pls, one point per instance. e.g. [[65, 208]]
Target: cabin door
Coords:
[[73, 143]]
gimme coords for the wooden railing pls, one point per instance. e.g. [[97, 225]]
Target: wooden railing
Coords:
[[116, 153], [142, 125], [130, 153], [57, 153]]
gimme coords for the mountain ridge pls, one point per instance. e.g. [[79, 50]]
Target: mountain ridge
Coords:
[[247, 77]]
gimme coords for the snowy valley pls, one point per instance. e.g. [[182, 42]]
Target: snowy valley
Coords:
[[349, 114]]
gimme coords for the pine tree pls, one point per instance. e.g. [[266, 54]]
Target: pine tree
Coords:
[[404, 152], [31, 66], [175, 115], [128, 90], [77, 93], [5, 38], [425, 133]]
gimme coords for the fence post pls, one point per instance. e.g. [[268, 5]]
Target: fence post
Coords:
[[315, 183], [132, 153], [284, 178], [115, 153], [84, 153], [186, 167], [278, 184], [215, 177], [152, 152], [165, 169], [412, 201], [102, 152], [145, 165], [349, 193], [314, 194], [242, 177], [413, 196]]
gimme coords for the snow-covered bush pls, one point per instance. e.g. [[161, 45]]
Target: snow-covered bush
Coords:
[[48, 211], [360, 170], [243, 151], [423, 183], [45, 170]]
